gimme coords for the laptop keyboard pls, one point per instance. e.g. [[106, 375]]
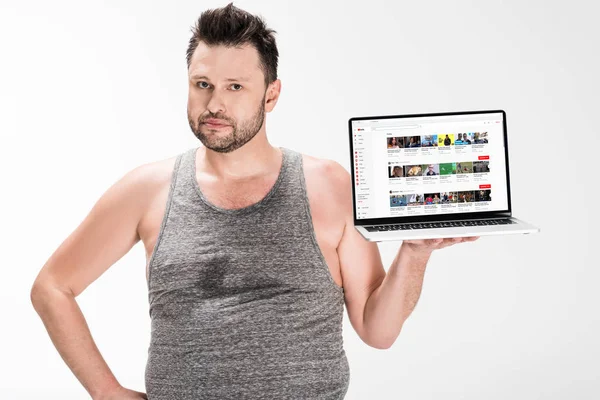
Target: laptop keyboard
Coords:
[[433, 225]]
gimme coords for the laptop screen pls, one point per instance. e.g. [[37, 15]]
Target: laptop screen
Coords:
[[428, 165]]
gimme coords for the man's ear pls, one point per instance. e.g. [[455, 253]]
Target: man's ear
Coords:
[[272, 95]]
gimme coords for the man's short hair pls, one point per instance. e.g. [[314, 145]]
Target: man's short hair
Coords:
[[233, 27]]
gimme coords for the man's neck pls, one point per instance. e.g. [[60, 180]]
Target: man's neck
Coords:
[[254, 159]]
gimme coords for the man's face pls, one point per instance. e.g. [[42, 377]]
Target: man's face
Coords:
[[226, 84]]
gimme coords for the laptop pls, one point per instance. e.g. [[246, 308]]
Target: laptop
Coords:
[[436, 175]]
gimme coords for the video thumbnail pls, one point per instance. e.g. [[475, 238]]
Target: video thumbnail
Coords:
[[483, 195], [397, 200], [465, 167], [415, 199], [431, 169], [432, 198], [412, 170], [480, 137], [446, 139], [395, 143], [412, 141], [447, 168], [429, 141], [464, 138], [481, 166], [396, 171], [448, 197], [466, 197]]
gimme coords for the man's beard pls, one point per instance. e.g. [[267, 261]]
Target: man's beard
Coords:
[[239, 136]]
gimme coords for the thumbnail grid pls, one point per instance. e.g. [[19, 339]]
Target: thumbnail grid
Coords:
[[442, 169], [444, 139], [422, 199]]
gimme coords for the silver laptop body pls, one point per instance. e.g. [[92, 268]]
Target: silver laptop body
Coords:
[[435, 175]]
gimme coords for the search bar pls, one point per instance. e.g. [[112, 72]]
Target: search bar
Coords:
[[396, 128]]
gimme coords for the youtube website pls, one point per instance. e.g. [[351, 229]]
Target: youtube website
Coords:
[[429, 165]]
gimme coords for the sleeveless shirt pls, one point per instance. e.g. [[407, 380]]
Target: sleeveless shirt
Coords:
[[242, 303]]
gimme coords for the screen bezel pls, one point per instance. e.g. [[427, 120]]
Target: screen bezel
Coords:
[[436, 217]]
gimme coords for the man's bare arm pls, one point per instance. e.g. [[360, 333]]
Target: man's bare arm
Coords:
[[378, 303], [106, 234], [394, 300]]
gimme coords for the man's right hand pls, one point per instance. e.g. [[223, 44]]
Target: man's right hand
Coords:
[[122, 393]]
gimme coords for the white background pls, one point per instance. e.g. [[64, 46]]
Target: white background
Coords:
[[90, 90]]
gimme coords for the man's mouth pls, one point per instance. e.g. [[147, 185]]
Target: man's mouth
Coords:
[[215, 121], [215, 125]]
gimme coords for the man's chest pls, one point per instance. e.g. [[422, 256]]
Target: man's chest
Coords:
[[326, 219]]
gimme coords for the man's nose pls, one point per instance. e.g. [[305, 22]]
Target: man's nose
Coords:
[[216, 103]]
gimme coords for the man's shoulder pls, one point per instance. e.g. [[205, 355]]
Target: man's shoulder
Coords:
[[327, 172], [145, 182], [329, 186], [154, 174], [149, 185]]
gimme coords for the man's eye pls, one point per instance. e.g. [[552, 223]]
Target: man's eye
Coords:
[[237, 84], [200, 84]]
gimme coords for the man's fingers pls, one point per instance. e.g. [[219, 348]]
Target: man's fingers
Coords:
[[452, 241], [416, 241], [440, 243]]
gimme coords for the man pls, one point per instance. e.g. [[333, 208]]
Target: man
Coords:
[[430, 171], [246, 247], [459, 140], [414, 141], [398, 172], [447, 141]]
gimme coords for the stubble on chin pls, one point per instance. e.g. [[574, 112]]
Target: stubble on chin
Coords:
[[238, 137]]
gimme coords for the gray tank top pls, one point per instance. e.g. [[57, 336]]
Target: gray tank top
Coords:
[[242, 303]]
